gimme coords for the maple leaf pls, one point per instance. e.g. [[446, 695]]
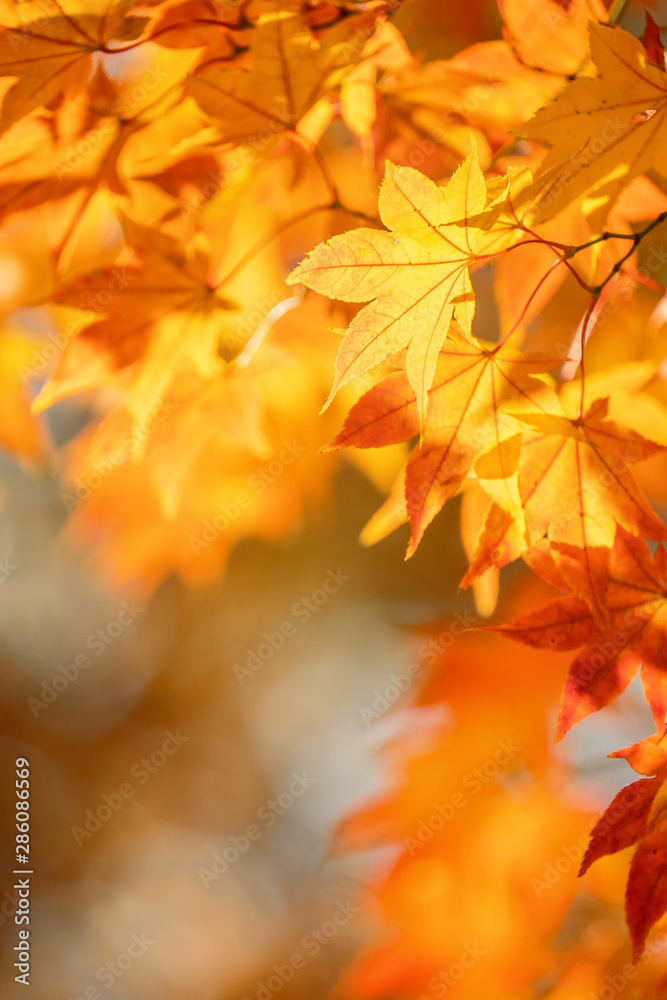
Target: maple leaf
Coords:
[[624, 425], [637, 816], [636, 599], [51, 55], [652, 43], [385, 50], [478, 849], [162, 314], [153, 235], [491, 539], [575, 486], [416, 273], [484, 86], [623, 823], [26, 168], [603, 132], [466, 419], [550, 34], [84, 175], [285, 72], [202, 467], [648, 757]]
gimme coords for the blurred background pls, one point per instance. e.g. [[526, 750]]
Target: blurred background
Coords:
[[294, 778], [180, 667], [226, 854]]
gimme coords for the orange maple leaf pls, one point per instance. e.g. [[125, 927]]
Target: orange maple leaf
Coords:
[[161, 313], [575, 486], [49, 48], [655, 50], [636, 599], [466, 418], [637, 816]]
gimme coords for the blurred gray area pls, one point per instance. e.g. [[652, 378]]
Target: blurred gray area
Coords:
[[218, 864]]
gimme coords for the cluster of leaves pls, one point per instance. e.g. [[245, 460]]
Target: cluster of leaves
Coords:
[[142, 147], [550, 460], [483, 898], [163, 165]]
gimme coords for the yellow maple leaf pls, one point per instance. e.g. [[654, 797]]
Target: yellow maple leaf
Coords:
[[415, 276], [602, 133], [284, 73]]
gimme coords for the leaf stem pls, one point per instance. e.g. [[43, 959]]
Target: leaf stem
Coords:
[[265, 240], [584, 327], [636, 240]]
